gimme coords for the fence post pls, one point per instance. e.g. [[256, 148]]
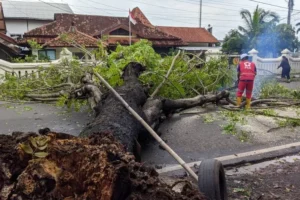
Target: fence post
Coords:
[[65, 54], [286, 53], [254, 54]]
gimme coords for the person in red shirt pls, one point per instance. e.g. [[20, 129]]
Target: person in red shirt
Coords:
[[246, 75]]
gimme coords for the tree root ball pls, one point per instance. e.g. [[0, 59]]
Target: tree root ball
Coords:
[[79, 168]]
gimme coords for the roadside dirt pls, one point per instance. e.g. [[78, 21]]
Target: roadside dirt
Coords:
[[273, 182]]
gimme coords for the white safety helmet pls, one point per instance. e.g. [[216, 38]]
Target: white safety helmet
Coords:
[[243, 56]]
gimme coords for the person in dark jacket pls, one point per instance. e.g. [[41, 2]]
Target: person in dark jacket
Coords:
[[286, 68]]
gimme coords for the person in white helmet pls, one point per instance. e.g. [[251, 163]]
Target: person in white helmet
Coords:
[[246, 75]]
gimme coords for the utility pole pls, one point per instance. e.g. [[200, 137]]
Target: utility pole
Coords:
[[200, 20], [290, 7]]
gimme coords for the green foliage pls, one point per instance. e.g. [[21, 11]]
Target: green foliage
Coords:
[[141, 52], [189, 77], [186, 78], [31, 58], [36, 146], [208, 118], [17, 87], [34, 45], [234, 42], [288, 123], [275, 89], [230, 127], [269, 112]]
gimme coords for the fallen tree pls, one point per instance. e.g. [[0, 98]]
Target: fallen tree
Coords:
[[113, 118]]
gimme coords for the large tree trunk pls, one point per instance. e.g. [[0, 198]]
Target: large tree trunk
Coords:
[[113, 117]]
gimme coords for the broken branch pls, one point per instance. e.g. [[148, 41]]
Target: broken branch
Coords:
[[166, 77]]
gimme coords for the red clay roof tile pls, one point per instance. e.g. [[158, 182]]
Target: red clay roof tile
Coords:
[[190, 34], [73, 35]]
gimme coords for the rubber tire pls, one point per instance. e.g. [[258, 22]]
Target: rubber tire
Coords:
[[211, 180]]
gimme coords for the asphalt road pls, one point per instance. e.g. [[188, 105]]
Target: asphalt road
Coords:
[[31, 117], [188, 135]]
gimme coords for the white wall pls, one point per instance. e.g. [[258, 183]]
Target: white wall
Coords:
[[21, 26]]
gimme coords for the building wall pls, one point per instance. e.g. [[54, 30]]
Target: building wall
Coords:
[[20, 26]]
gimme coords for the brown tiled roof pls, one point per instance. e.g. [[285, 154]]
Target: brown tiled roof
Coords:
[[7, 38], [139, 16], [161, 43], [190, 34], [9, 44], [73, 35], [96, 26]]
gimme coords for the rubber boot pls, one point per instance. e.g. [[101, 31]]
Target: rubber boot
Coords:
[[248, 103], [238, 101]]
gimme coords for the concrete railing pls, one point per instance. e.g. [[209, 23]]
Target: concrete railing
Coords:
[[23, 69], [264, 65], [271, 64]]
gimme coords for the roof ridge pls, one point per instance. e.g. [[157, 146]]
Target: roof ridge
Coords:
[[90, 15]]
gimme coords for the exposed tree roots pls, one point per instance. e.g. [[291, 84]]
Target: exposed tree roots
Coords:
[[79, 168]]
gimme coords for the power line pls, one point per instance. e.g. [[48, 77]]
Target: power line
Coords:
[[271, 4], [221, 4], [54, 6]]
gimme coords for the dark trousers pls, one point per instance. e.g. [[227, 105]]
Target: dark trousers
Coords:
[[286, 73]]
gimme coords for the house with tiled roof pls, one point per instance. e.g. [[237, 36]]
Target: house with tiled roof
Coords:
[[23, 16], [115, 30]]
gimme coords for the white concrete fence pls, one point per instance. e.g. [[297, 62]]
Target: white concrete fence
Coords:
[[24, 69], [267, 65]]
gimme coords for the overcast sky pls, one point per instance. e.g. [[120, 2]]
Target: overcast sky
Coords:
[[222, 15]]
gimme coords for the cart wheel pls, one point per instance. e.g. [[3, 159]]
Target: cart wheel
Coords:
[[211, 180]]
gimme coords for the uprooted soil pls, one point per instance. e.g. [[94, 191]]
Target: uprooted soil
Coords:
[[79, 168], [271, 183]]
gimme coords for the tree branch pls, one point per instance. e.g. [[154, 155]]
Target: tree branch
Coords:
[[166, 77], [169, 105]]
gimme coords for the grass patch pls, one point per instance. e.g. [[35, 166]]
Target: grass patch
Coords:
[[208, 118]]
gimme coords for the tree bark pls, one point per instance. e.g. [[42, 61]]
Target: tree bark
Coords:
[[113, 117]]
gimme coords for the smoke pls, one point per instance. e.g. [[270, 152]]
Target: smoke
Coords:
[[266, 44], [262, 77]]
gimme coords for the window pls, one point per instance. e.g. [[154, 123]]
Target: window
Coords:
[[119, 31], [16, 36], [79, 55], [47, 54]]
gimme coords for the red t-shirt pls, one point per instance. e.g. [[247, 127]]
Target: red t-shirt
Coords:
[[247, 70]]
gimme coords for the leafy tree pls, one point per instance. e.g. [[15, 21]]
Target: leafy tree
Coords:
[[256, 23], [262, 33], [234, 42]]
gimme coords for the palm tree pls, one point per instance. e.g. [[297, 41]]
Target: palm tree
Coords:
[[257, 22]]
